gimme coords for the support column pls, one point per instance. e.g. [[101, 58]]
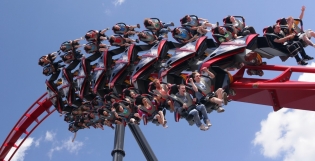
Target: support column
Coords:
[[142, 142], [118, 153]]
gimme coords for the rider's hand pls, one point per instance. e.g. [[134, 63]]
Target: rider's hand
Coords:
[[185, 106], [204, 69], [191, 80], [303, 8], [194, 99]]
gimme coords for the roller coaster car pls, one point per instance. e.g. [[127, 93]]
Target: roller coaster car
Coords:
[[84, 81], [150, 63], [54, 96], [101, 73], [186, 57], [243, 50], [124, 67], [183, 113], [148, 113]]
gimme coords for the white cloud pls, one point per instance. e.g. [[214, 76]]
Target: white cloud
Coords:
[[308, 77], [20, 154], [118, 2], [72, 147], [50, 136], [37, 142], [289, 134]]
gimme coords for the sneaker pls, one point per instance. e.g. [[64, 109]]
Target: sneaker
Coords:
[[208, 123], [302, 62], [169, 29], [220, 110], [203, 127], [172, 23], [137, 40], [225, 98], [138, 25], [307, 58]]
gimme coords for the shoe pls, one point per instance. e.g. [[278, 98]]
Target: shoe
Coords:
[[220, 110], [307, 58], [164, 125], [225, 99], [138, 25], [203, 127], [137, 40], [169, 29], [172, 24], [208, 123], [302, 62]]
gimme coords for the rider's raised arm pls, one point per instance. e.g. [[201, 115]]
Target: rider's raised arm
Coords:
[[302, 13], [193, 85], [211, 75]]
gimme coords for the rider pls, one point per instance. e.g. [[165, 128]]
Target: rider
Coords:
[[200, 25], [47, 59], [157, 27], [183, 35], [52, 68], [183, 95], [125, 112], [92, 47], [69, 56], [95, 35], [126, 30], [70, 45], [151, 110], [226, 34], [121, 41], [163, 91], [279, 41], [219, 97], [238, 26], [293, 26], [147, 37]]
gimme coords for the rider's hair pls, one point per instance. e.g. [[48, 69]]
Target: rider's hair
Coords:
[[40, 62], [114, 29], [111, 40], [146, 22], [193, 74], [154, 81], [184, 19], [63, 58], [181, 85], [227, 19], [274, 26]]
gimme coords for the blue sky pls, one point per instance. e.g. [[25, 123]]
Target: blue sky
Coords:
[[245, 132]]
